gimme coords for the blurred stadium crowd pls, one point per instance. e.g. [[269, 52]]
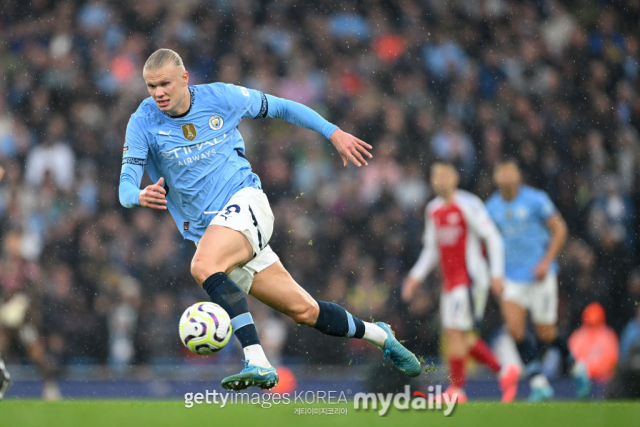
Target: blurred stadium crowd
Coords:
[[555, 84]]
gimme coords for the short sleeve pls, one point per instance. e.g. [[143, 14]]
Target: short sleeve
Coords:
[[546, 208], [136, 146], [250, 102], [490, 206], [477, 216]]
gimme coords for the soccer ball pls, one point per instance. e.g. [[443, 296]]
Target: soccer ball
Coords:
[[205, 328]]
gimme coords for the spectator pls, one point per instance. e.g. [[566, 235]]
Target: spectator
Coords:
[[595, 344]]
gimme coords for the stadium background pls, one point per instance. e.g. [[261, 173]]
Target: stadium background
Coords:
[[555, 84]]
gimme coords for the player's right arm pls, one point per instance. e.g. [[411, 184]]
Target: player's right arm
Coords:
[[134, 158], [427, 261]]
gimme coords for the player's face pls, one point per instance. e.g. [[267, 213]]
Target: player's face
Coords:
[[507, 178], [167, 86], [444, 179]]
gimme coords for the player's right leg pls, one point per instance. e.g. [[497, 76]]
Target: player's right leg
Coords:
[[220, 251], [457, 320], [516, 299], [544, 314], [275, 287], [5, 379]]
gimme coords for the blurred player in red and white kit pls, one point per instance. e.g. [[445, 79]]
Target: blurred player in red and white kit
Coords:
[[456, 225]]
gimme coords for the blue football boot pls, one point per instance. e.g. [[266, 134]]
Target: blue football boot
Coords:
[[581, 380], [252, 375], [541, 390], [396, 353]]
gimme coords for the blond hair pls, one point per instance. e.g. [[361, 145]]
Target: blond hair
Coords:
[[161, 57]]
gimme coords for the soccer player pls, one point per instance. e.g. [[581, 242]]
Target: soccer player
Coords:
[[456, 224], [188, 138], [5, 379], [534, 233]]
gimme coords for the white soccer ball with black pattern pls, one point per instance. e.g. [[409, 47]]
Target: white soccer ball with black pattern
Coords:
[[205, 328]]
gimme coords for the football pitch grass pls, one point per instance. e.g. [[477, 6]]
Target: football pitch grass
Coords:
[[141, 413]]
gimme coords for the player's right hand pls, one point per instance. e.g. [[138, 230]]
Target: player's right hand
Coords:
[[153, 196], [409, 288]]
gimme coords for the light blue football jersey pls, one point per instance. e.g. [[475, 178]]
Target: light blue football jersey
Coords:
[[523, 225], [200, 154]]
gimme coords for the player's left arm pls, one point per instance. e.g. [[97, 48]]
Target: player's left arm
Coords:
[[258, 105], [558, 228], [349, 147], [481, 223]]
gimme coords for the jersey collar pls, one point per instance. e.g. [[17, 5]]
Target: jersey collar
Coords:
[[192, 93]]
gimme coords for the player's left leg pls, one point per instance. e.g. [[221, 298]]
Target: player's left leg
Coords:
[[507, 375], [275, 287], [457, 351], [544, 314]]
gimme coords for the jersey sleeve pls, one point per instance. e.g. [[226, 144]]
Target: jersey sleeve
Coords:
[[248, 103], [134, 158], [299, 115], [477, 216], [545, 207], [136, 145], [430, 255]]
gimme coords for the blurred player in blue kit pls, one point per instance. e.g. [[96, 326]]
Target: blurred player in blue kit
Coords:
[[188, 139], [533, 232]]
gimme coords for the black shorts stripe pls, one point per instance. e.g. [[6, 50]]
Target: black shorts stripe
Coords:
[[255, 223]]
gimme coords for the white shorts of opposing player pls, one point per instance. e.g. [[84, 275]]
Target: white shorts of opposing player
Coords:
[[248, 211], [540, 298], [462, 305]]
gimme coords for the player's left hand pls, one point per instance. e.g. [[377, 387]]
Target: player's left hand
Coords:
[[497, 286], [350, 148], [1, 173], [540, 271]]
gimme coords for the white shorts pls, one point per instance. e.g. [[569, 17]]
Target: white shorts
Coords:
[[243, 276], [455, 309], [540, 298], [248, 212]]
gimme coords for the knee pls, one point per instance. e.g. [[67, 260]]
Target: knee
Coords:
[[516, 331], [546, 334], [201, 270], [305, 313]]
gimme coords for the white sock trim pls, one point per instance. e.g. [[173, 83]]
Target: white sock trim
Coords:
[[255, 355], [374, 334]]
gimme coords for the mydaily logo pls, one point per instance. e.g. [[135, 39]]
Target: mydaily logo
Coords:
[[433, 401]]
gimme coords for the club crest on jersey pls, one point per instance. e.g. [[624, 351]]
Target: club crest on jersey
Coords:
[[216, 122], [453, 218], [189, 131]]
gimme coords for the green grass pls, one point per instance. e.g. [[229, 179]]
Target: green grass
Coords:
[[99, 413]]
